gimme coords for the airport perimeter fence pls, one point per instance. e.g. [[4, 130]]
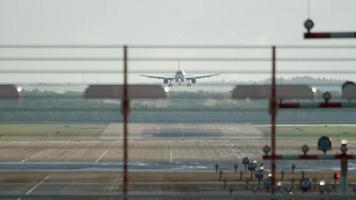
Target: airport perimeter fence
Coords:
[[102, 84]]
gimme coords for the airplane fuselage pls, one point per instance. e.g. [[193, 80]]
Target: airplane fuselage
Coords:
[[179, 76]]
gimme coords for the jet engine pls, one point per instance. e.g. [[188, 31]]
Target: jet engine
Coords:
[[194, 81], [165, 81]]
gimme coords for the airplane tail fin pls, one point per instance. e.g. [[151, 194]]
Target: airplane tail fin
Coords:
[[178, 65]]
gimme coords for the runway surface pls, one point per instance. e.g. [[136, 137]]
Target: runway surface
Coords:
[[154, 166], [165, 158]]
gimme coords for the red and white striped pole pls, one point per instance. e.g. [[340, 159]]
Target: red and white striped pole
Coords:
[[327, 35], [273, 107], [311, 157], [309, 24], [125, 112], [296, 105]]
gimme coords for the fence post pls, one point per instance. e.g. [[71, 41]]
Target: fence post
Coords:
[[125, 113], [344, 182], [273, 110]]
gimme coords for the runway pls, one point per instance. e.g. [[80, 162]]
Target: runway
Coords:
[[105, 185], [155, 166], [167, 158], [310, 125]]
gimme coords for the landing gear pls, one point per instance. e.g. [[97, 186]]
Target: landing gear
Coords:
[[188, 84], [170, 84]]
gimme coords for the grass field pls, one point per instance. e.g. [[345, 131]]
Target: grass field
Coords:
[[49, 131], [230, 143], [72, 130], [335, 132]]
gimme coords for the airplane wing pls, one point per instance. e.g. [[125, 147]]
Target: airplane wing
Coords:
[[198, 77], [158, 77]]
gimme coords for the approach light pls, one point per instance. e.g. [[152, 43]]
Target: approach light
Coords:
[[326, 96], [166, 89], [267, 183], [251, 166], [266, 149], [245, 161], [314, 89], [343, 142], [322, 183], [308, 24], [305, 149], [343, 147], [259, 174], [322, 186], [305, 184], [19, 89], [324, 144]]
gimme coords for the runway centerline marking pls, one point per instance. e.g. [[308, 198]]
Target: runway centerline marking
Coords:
[[36, 186], [235, 151], [33, 156], [170, 152], [117, 186], [104, 153]]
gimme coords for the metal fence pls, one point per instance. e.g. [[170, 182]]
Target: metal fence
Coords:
[[118, 66]]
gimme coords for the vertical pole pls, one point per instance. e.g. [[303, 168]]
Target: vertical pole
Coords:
[[273, 105], [344, 166], [125, 112]]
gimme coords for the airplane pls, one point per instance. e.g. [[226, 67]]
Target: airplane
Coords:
[[179, 77]]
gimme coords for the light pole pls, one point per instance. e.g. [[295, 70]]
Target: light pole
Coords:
[[344, 165], [259, 176], [322, 186]]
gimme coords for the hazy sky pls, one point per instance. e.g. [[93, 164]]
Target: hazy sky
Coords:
[[169, 21], [204, 22]]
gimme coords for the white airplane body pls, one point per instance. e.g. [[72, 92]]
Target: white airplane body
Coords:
[[179, 77]]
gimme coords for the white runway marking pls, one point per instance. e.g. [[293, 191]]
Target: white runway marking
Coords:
[[57, 142], [34, 187], [170, 152], [33, 156], [103, 154], [235, 151], [117, 186], [20, 142], [89, 141]]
